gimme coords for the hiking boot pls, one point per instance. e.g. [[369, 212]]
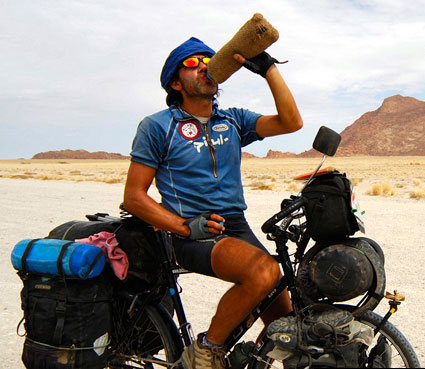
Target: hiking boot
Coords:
[[198, 356]]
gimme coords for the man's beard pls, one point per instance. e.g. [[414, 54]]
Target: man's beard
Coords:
[[196, 89]]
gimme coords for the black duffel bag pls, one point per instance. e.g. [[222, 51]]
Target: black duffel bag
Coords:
[[139, 241], [137, 238], [76, 229]]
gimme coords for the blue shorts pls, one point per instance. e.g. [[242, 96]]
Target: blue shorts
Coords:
[[195, 255]]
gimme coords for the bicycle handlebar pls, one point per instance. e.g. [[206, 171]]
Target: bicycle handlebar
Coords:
[[268, 224]]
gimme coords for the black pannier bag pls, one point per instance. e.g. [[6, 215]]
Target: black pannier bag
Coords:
[[328, 211], [67, 321]]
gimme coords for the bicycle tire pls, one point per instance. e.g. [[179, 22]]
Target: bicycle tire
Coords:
[[397, 341], [403, 355], [151, 340]]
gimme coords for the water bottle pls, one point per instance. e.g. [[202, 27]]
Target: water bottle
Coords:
[[239, 357], [253, 38]]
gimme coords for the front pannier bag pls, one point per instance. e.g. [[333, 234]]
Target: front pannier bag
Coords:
[[329, 215]]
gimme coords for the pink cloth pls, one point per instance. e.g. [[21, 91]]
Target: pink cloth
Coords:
[[116, 257]]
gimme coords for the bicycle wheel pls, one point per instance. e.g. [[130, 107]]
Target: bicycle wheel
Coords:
[[402, 353], [149, 339]]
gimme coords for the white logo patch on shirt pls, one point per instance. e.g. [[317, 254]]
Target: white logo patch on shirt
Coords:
[[190, 130], [220, 127], [219, 141]]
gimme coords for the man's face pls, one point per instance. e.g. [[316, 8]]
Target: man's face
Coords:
[[194, 83]]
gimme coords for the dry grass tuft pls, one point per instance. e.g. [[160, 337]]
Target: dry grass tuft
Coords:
[[20, 176], [262, 186], [382, 189], [356, 181], [376, 190], [418, 193], [114, 180], [294, 187]]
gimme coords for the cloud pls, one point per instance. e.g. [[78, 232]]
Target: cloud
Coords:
[[93, 66]]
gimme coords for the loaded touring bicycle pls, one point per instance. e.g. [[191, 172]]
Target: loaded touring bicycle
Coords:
[[79, 311]]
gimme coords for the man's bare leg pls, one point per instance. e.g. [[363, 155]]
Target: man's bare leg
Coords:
[[254, 273]]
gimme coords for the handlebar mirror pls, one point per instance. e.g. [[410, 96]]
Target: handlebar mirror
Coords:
[[327, 141]]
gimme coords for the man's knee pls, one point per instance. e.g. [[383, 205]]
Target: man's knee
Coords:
[[266, 272], [239, 262]]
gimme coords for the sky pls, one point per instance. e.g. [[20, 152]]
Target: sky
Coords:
[[83, 74]]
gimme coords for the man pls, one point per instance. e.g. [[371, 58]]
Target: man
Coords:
[[193, 151]]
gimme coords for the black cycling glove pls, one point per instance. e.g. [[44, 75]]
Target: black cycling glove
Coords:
[[261, 63], [199, 227]]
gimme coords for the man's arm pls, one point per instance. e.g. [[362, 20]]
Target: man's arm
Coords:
[[138, 202], [288, 118]]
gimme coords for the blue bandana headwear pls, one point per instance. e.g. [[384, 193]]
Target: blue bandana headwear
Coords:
[[186, 49]]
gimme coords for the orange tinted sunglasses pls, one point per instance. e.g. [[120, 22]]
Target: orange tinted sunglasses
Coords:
[[194, 61]]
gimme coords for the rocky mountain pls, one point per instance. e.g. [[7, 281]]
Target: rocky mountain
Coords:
[[247, 155], [79, 154], [396, 128], [271, 154]]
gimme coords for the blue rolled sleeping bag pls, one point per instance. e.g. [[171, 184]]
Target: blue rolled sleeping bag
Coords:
[[78, 259]]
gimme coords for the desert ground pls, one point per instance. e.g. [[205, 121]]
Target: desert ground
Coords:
[[398, 177], [37, 195]]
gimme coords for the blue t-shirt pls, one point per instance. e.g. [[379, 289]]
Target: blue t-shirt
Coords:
[[196, 174]]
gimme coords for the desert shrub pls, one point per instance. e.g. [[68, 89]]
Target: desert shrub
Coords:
[[376, 190], [262, 186], [43, 177], [294, 187], [113, 180], [382, 189], [418, 193], [264, 177], [356, 181]]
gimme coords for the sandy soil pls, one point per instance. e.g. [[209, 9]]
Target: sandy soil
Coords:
[[30, 208]]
